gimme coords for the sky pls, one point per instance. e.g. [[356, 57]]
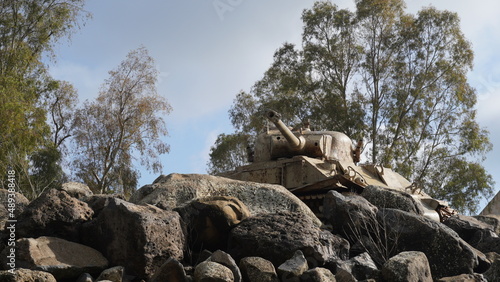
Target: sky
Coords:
[[206, 51]]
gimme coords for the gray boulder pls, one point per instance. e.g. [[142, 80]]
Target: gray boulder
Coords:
[[447, 253], [465, 278], [114, 274], [76, 189], [389, 198], [171, 270], [257, 269], [350, 216], [491, 219], [175, 190], [54, 213], [26, 275], [362, 267], [61, 258], [276, 237], [17, 207], [98, 202], [493, 273], [478, 234], [140, 238], [292, 269], [209, 220], [85, 277], [226, 260], [213, 272], [318, 274], [407, 267]]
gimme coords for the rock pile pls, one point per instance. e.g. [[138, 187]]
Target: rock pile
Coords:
[[206, 228]]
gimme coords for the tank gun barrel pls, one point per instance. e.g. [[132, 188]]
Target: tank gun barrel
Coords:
[[295, 142]]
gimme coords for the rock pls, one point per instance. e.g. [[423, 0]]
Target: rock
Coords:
[[76, 189], [226, 260], [447, 253], [257, 269], [362, 267], [175, 190], [318, 274], [276, 237], [171, 271], [210, 271], [492, 219], [210, 219], [16, 207], [293, 268], [98, 202], [26, 275], [465, 278], [493, 273], [85, 277], [344, 276], [114, 274], [61, 258], [466, 226], [350, 216], [140, 238], [407, 267], [389, 198], [486, 241], [54, 213]]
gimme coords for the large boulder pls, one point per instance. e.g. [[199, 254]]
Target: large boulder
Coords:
[[362, 267], [26, 275], [257, 269], [140, 238], [447, 253], [293, 268], [276, 237], [175, 190], [318, 274], [61, 258], [54, 213], [209, 220], [350, 216], [171, 270], [12, 204], [226, 260], [389, 198], [407, 267], [491, 219], [76, 189], [212, 272], [478, 234]]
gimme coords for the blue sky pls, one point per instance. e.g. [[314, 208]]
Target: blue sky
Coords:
[[209, 50]]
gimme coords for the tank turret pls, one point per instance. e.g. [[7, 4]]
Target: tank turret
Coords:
[[283, 142]]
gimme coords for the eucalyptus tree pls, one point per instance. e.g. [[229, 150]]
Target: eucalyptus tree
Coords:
[[395, 79]]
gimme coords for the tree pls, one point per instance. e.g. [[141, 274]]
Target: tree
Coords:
[[395, 79], [29, 30], [124, 120]]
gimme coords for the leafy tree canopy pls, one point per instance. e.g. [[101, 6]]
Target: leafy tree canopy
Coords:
[[125, 118], [395, 79], [29, 30]]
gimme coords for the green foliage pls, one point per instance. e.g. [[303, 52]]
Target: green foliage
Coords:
[[397, 80], [125, 118], [28, 31], [228, 152]]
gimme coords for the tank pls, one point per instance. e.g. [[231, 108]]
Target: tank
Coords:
[[310, 163]]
